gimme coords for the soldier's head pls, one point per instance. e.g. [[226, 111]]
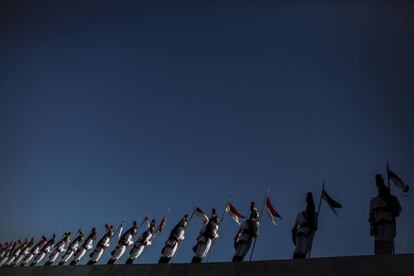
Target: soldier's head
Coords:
[[184, 221], [310, 205], [151, 227], [382, 188], [254, 213]]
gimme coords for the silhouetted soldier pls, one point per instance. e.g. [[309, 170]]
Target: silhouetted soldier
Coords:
[[208, 233], [383, 211], [102, 245], [304, 229], [143, 241], [176, 236], [248, 230], [72, 248], [124, 241], [87, 245]]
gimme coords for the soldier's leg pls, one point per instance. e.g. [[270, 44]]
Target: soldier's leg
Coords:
[[129, 261], [196, 260]]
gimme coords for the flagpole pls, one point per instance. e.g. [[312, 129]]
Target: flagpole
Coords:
[[317, 218], [188, 223], [388, 177], [260, 224], [220, 223]]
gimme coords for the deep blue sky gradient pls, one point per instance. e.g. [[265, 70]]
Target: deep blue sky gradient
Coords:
[[117, 109]]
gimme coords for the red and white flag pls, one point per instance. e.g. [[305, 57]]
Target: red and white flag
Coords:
[[199, 213], [236, 216], [162, 224], [271, 211]]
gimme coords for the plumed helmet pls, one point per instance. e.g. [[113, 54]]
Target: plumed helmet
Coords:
[[254, 213]]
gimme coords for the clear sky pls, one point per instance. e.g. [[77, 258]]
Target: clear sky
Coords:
[[120, 109]]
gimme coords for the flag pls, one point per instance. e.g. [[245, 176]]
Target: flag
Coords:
[[234, 213], [145, 222], [162, 224], [121, 228], [331, 202], [199, 213], [397, 181], [271, 211]]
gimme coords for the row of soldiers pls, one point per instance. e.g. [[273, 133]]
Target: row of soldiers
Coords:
[[383, 211]]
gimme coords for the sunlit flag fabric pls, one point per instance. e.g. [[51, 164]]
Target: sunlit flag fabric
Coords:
[[331, 202], [271, 211], [397, 181], [236, 216], [121, 228], [199, 213]]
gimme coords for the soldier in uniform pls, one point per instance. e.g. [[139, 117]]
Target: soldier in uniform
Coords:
[[174, 239], [24, 252], [304, 229], [143, 241], [73, 246], [59, 248], [102, 245], [16, 252], [34, 251], [9, 253], [125, 240], [248, 230], [383, 211], [87, 245], [45, 250], [208, 233]]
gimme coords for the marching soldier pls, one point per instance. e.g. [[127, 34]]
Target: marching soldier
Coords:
[[304, 229], [9, 252], [383, 211], [45, 249], [143, 241], [16, 252], [102, 245], [25, 251], [248, 230], [176, 236], [59, 248], [208, 233], [125, 240], [87, 245], [73, 246], [34, 251]]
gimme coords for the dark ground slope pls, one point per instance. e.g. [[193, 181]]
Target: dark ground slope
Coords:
[[398, 265]]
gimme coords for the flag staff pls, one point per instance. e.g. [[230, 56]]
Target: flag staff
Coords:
[[260, 224], [221, 222], [388, 177], [189, 220], [317, 218]]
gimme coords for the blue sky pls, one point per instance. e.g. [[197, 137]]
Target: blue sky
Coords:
[[113, 109]]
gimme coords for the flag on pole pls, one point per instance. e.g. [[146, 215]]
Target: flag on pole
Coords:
[[199, 213], [331, 202], [397, 181], [271, 211], [121, 228], [234, 213], [162, 224], [145, 222]]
